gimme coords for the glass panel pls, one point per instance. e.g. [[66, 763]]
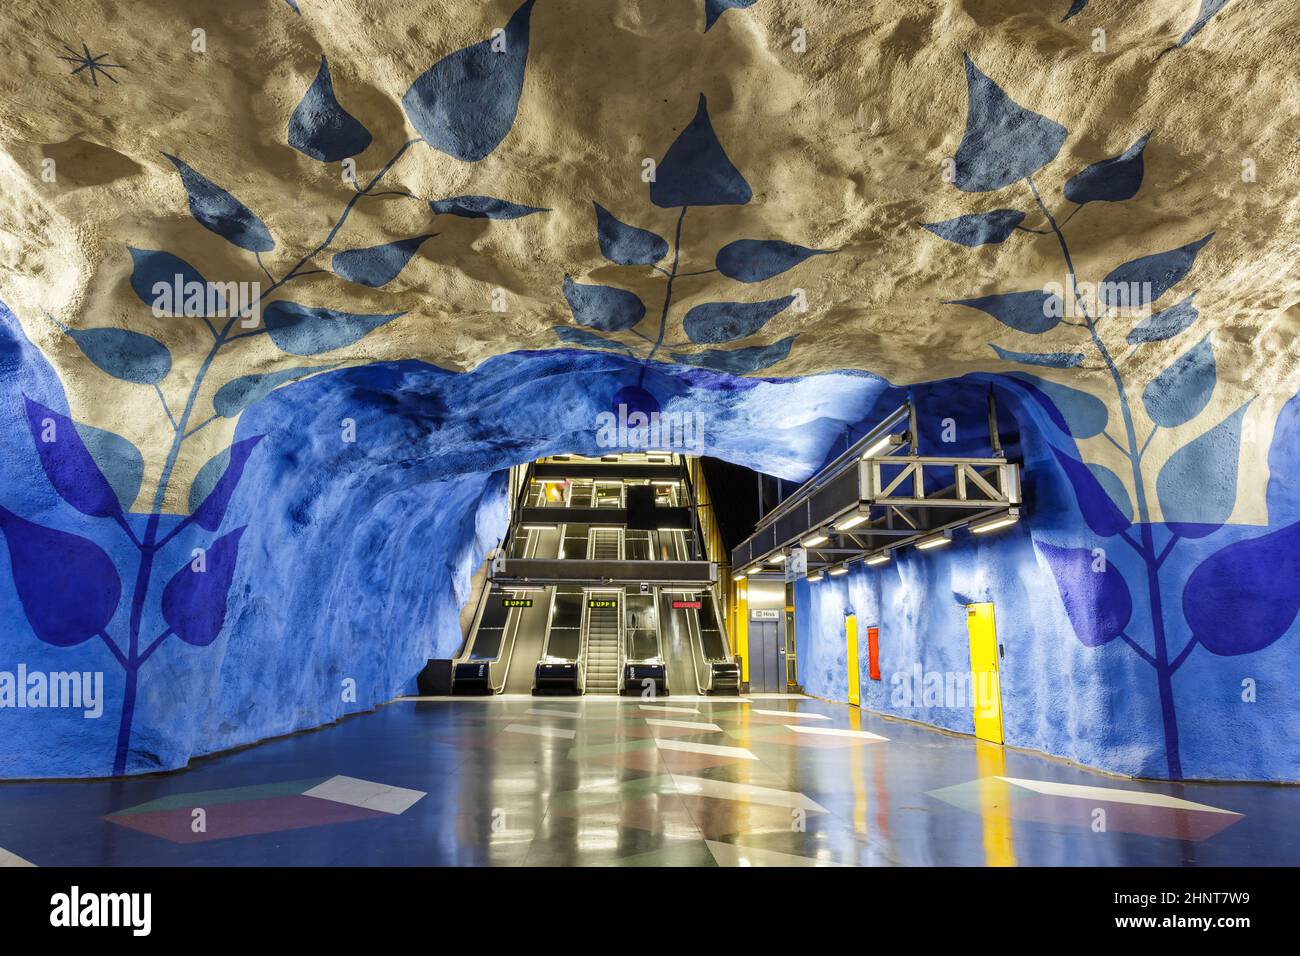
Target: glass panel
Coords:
[[636, 545], [575, 542], [641, 627], [711, 641]]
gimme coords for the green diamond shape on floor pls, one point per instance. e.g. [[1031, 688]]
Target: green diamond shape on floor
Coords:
[[614, 793]]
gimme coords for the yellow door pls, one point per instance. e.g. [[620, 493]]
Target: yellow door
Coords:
[[985, 688], [855, 679]]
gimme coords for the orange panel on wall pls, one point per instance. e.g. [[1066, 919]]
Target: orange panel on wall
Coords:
[[873, 653]]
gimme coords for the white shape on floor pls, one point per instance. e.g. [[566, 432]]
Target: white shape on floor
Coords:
[[729, 854], [713, 750], [1080, 792], [544, 712], [745, 793], [682, 724], [564, 732], [671, 710], [836, 732], [789, 713], [366, 794], [12, 859]]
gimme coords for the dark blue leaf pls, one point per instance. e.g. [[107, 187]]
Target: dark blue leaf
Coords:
[[1142, 281], [716, 322], [568, 333], [1098, 602], [1099, 510], [1111, 180], [67, 584], [716, 8], [303, 330], [627, 245], [1031, 312], [1004, 142], [482, 207], [1166, 323], [1049, 359], [1208, 9], [237, 394], [152, 270], [1081, 415], [753, 260], [978, 228], [1244, 597], [68, 464], [738, 361], [377, 265], [1181, 391], [464, 105], [194, 602], [293, 5], [1197, 486], [603, 307], [321, 128], [216, 209], [696, 171], [1075, 7], [118, 460], [209, 513], [130, 356], [207, 477]]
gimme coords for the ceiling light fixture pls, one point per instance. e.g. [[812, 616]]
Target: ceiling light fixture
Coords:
[[777, 559], [837, 570], [881, 558], [814, 577], [850, 522], [815, 540], [881, 443], [937, 541], [993, 524]]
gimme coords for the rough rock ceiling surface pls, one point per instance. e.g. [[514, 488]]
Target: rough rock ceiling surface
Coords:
[[780, 189]]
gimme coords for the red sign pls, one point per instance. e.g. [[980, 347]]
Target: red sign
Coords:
[[687, 605]]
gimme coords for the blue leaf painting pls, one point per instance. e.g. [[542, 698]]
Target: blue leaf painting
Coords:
[[715, 322], [153, 269], [603, 307], [1197, 486], [1004, 142], [118, 460], [1244, 597], [627, 245], [377, 265], [753, 260], [696, 171], [68, 464], [574, 336], [293, 5], [206, 478], [67, 584], [1075, 8], [1031, 312], [1166, 323], [1208, 9], [465, 104], [978, 229], [130, 356], [1111, 180], [212, 509], [1047, 359], [217, 210], [1141, 281], [304, 330], [738, 361], [1114, 488], [321, 128], [1099, 510], [1181, 391], [194, 602], [1098, 603], [237, 394], [716, 8], [1081, 415], [482, 207]]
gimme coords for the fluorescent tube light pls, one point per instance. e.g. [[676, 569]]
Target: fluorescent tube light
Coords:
[[881, 558], [777, 559], [837, 571], [815, 540], [938, 541], [814, 577], [993, 524], [850, 522]]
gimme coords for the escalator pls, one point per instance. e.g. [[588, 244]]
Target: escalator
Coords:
[[694, 649]]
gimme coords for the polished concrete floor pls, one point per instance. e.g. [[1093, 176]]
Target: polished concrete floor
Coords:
[[605, 781]]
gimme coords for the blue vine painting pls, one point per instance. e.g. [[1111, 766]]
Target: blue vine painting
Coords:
[[1004, 146], [464, 105]]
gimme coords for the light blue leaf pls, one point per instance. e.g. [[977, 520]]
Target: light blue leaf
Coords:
[[482, 207], [753, 260], [627, 245], [1004, 142], [1197, 486], [1208, 9], [1181, 391], [979, 228], [568, 333], [216, 209], [237, 394], [738, 361], [206, 478], [1142, 281], [304, 330], [1111, 180], [465, 104], [696, 171], [715, 322], [1114, 488], [1049, 359], [716, 8], [1083, 415], [118, 459], [1165, 324], [321, 128], [151, 270], [377, 265], [603, 307], [1032, 312], [130, 356]]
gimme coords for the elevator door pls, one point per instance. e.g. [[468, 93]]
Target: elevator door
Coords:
[[766, 658], [985, 680]]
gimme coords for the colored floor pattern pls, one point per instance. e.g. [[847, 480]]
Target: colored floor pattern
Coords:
[[763, 781]]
